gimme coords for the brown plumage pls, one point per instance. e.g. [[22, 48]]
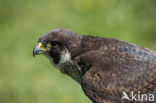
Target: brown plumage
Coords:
[[103, 67]]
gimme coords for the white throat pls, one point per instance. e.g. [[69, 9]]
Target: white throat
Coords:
[[66, 66], [65, 57]]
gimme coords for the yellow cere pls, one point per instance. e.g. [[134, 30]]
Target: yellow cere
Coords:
[[41, 46]]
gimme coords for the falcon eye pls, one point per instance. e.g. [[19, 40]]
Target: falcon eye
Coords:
[[54, 44]]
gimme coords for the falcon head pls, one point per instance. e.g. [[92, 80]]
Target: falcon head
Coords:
[[59, 46], [63, 47]]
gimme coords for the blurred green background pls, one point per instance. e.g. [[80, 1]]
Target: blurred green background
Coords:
[[24, 79]]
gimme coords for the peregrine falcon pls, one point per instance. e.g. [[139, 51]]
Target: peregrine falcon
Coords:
[[108, 70]]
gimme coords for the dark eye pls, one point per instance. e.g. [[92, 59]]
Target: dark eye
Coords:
[[54, 43]]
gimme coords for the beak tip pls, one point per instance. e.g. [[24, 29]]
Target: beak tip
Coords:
[[33, 54], [37, 51]]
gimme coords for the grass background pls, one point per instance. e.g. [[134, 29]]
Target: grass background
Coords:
[[24, 79]]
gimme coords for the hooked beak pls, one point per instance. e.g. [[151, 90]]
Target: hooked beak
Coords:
[[37, 51]]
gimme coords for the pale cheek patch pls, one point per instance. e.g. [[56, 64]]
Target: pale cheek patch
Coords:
[[65, 57]]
